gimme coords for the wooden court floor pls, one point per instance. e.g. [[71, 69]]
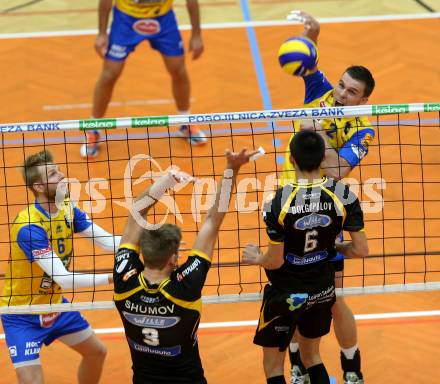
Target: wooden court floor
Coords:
[[45, 76]]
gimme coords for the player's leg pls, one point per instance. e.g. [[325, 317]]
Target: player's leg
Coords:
[[24, 338], [344, 325], [93, 353], [123, 39], [274, 331], [30, 374], [170, 45], [313, 324], [298, 372], [180, 83], [273, 363], [312, 360], [74, 331], [111, 71]]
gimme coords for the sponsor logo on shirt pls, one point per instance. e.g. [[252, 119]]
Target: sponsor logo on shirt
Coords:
[[46, 283], [307, 259], [311, 195], [130, 273], [150, 300], [38, 253], [122, 255], [120, 267], [147, 27], [151, 321], [312, 221], [162, 351], [59, 229], [190, 268]]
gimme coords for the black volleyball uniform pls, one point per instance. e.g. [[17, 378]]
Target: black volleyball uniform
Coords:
[[306, 218], [161, 320]]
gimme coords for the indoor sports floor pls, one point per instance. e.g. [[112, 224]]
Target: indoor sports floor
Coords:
[[49, 75]]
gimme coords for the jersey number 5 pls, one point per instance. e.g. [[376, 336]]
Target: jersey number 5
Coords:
[[151, 336], [311, 241]]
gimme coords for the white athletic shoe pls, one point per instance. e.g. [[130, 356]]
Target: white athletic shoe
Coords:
[[90, 148], [297, 376], [352, 378], [192, 134]]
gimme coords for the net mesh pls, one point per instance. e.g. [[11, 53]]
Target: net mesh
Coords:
[[397, 182]]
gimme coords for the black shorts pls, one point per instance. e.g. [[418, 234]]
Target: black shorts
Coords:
[[281, 312]]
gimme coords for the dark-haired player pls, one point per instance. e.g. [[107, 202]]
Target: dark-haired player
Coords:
[[347, 141], [303, 220]]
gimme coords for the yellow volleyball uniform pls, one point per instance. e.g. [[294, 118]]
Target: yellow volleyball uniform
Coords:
[[144, 8], [33, 233], [349, 136]]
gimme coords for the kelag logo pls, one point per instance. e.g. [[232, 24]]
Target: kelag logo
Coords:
[[97, 124], [150, 121], [389, 109], [431, 107]]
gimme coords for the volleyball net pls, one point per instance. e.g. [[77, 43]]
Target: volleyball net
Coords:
[[397, 183]]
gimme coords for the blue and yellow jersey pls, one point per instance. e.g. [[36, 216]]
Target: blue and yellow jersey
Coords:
[[144, 8], [33, 233], [349, 136]]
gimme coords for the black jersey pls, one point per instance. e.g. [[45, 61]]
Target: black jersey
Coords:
[[307, 218], [161, 320]]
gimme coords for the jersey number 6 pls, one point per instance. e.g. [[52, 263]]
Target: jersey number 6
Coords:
[[311, 241]]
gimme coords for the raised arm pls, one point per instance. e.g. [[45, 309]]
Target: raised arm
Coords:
[[311, 25], [208, 233], [143, 203], [196, 42]]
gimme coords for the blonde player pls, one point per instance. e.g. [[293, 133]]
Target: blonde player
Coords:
[[37, 273], [346, 141], [134, 22]]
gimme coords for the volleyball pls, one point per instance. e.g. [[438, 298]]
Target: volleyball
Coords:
[[297, 56]]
